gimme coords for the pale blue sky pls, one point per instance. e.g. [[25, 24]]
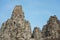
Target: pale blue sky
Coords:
[[36, 11]]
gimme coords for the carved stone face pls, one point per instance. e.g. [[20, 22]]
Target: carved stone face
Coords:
[[11, 28], [27, 26], [19, 30], [36, 30], [18, 10], [18, 13]]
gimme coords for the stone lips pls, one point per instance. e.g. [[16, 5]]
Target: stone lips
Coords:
[[18, 28]]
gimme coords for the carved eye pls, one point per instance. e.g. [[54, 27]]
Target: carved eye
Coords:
[[14, 22], [20, 15]]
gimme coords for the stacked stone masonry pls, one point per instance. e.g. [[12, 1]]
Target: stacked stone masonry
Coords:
[[18, 28]]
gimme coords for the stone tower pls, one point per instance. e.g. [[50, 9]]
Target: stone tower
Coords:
[[16, 28], [37, 33], [18, 14], [27, 31], [52, 27]]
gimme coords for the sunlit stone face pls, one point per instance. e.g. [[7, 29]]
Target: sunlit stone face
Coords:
[[18, 10], [27, 26], [18, 13], [36, 30]]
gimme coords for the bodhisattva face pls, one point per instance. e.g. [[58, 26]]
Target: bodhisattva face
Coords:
[[18, 10], [36, 30], [27, 26]]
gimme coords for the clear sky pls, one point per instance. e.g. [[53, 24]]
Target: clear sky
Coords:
[[36, 11]]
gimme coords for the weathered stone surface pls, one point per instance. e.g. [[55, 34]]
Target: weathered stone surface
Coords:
[[18, 28], [52, 27], [37, 33]]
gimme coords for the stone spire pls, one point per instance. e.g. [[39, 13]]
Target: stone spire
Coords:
[[15, 27], [53, 19], [18, 13], [52, 27], [37, 33], [18, 28], [17, 9]]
